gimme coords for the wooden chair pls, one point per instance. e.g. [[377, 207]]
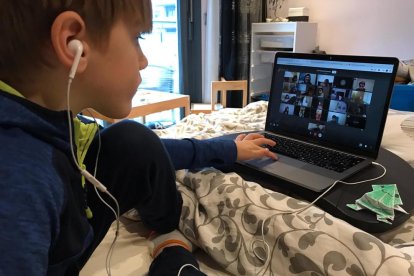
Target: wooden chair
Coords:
[[221, 87]]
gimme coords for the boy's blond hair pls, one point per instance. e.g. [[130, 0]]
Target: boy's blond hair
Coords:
[[25, 27]]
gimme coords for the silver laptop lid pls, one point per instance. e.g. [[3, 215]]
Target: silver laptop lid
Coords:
[[340, 102]]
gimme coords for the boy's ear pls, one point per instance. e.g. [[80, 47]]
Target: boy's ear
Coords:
[[67, 27]]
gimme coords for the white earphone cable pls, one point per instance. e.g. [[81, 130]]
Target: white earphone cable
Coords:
[[266, 258], [92, 178], [184, 266]]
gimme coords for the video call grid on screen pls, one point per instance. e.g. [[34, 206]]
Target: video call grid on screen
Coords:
[[330, 104], [326, 98]]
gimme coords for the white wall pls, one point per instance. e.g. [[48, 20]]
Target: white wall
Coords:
[[362, 27]]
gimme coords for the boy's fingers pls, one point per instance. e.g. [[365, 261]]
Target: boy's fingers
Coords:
[[240, 137], [266, 152], [272, 155], [253, 136], [264, 141]]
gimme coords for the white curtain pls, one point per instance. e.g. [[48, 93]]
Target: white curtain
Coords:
[[211, 46]]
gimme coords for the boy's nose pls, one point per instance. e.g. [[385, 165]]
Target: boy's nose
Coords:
[[143, 61]]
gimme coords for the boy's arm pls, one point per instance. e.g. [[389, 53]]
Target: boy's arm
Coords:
[[193, 153]]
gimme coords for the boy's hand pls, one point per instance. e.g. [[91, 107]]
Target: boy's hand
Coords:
[[250, 146]]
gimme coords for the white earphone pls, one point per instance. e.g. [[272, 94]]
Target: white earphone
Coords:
[[76, 48]]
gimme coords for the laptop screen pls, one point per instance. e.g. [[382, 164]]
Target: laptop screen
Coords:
[[336, 101]]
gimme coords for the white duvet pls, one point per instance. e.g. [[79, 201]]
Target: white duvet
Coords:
[[243, 229]]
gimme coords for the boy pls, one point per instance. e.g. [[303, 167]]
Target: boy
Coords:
[[51, 219]]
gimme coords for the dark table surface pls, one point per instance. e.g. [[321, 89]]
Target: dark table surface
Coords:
[[398, 172]]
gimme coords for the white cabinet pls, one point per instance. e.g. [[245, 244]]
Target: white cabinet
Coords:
[[269, 38]]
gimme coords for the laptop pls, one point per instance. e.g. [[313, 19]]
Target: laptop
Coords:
[[327, 114]]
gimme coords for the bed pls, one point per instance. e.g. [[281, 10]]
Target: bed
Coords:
[[223, 214]]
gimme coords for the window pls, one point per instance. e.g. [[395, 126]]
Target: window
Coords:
[[161, 49], [173, 50]]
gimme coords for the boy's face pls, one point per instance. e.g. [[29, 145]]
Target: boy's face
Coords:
[[112, 76]]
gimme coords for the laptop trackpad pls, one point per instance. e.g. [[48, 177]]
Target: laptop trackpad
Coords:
[[294, 171], [284, 164]]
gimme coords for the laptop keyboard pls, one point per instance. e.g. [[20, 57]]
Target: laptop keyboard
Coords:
[[322, 157]]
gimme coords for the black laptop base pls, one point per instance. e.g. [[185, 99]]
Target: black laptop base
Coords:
[[398, 172]]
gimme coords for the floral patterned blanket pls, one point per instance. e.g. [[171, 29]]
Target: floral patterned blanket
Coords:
[[250, 230]]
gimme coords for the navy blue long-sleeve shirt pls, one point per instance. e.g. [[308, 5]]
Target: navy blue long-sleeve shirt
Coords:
[[192, 153]]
